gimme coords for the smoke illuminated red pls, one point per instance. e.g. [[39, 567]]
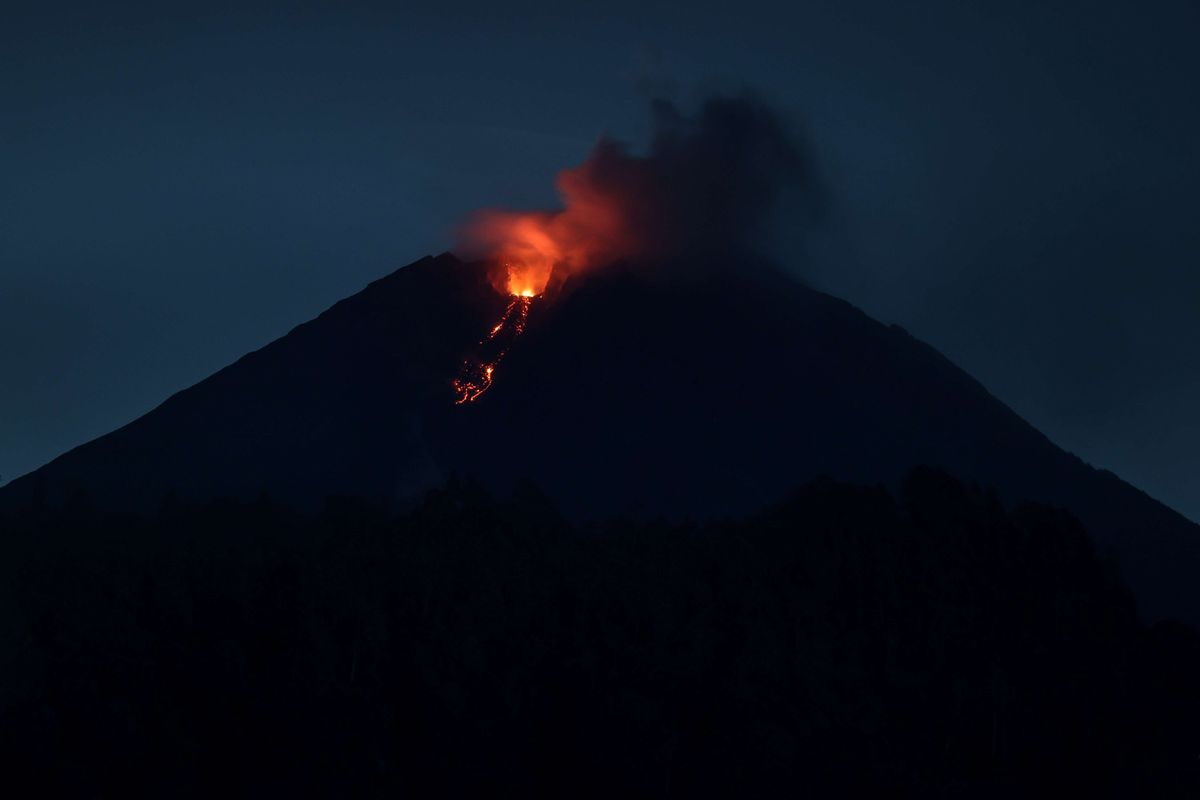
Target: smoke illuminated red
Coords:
[[705, 187], [702, 189], [528, 248], [593, 228]]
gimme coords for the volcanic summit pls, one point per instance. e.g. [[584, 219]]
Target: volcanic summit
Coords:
[[628, 392]]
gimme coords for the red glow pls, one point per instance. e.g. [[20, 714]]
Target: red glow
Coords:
[[476, 374], [594, 227], [530, 248]]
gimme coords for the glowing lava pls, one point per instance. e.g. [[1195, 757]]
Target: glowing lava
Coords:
[[475, 377]]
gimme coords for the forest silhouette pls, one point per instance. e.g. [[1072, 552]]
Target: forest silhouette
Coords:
[[931, 644]]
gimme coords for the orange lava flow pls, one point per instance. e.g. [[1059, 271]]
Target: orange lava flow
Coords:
[[475, 377]]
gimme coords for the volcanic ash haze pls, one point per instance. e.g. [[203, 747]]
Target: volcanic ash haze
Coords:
[[700, 196], [704, 192]]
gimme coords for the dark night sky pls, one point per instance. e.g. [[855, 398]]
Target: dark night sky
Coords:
[[1017, 186]]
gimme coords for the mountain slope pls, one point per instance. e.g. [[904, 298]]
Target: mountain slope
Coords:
[[629, 392], [332, 407]]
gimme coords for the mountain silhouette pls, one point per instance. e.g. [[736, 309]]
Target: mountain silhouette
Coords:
[[632, 391]]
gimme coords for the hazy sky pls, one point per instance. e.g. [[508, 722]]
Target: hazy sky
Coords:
[[1017, 186]]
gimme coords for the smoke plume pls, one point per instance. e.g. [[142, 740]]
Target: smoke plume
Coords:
[[706, 188]]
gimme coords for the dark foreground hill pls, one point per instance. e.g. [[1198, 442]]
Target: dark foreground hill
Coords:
[[839, 644], [629, 393]]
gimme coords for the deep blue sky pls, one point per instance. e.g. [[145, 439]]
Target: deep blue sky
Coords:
[[1016, 185]]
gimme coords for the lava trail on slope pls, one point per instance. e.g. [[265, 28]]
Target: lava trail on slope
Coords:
[[475, 376]]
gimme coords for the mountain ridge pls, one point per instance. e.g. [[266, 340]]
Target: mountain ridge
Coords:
[[632, 391]]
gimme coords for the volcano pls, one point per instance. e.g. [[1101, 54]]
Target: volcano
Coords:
[[630, 391]]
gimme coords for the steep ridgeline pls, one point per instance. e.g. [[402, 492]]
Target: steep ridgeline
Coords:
[[630, 392]]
